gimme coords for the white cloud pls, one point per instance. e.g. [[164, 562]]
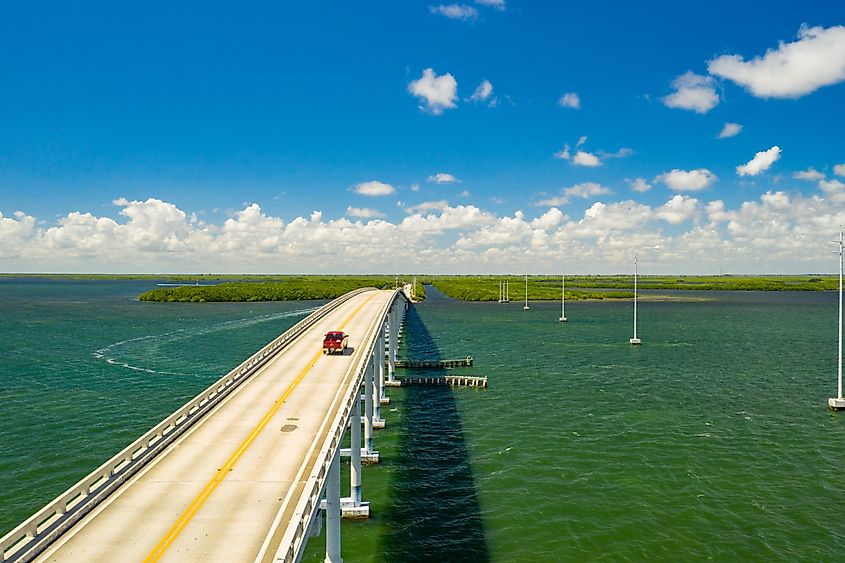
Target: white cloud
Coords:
[[563, 154], [498, 4], [810, 174], [834, 190], [374, 188], [442, 178], [364, 213], [438, 205], [775, 232], [455, 11], [792, 70], [639, 185], [693, 92], [621, 153], [589, 159], [730, 130], [839, 169], [678, 209], [716, 212], [584, 191], [761, 162], [687, 180], [15, 233], [570, 100], [584, 158], [438, 93], [415, 187], [549, 219], [484, 91]]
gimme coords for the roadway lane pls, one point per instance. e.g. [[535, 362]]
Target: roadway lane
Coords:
[[178, 509]]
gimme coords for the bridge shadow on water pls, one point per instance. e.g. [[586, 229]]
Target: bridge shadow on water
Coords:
[[434, 512]]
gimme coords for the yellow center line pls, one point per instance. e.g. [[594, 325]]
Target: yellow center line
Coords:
[[192, 509]]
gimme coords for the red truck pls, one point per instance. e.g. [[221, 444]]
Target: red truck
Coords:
[[335, 341]]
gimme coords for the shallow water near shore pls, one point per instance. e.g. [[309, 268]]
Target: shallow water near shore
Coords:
[[710, 441]]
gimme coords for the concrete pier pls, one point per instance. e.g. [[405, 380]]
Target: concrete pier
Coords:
[[452, 380], [429, 364]]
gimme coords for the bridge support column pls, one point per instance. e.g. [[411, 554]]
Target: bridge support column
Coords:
[[382, 356], [355, 455], [352, 507], [378, 385], [368, 406], [394, 336], [333, 511]]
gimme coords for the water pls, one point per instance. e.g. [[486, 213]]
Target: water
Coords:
[[710, 441]]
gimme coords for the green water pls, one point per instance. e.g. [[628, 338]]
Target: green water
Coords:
[[710, 441]]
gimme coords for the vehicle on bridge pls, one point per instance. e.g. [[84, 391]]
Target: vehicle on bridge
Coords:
[[335, 341]]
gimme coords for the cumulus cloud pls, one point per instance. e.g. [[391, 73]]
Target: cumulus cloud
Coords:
[[834, 190], [570, 100], [678, 209], [810, 174], [584, 158], [716, 212], [729, 130], [14, 233], [442, 178], [761, 162], [775, 232], [483, 92], [374, 188], [364, 213], [584, 191], [438, 93], [455, 11], [839, 169], [791, 70], [693, 92], [639, 185], [687, 180]]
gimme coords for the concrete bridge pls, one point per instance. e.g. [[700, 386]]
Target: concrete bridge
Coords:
[[241, 471]]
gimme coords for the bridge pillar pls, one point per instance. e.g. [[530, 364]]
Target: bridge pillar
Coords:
[[394, 335], [383, 399], [369, 373], [378, 384], [333, 511], [355, 454]]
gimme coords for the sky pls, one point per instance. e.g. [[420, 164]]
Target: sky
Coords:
[[484, 136]]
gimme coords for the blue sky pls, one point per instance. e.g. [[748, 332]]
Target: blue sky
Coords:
[[203, 136]]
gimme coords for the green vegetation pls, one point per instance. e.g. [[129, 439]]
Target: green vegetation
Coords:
[[289, 288], [477, 288], [547, 288]]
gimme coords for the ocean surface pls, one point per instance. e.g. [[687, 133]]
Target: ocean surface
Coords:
[[712, 440]]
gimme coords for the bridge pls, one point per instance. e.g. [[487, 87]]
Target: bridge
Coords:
[[243, 471]]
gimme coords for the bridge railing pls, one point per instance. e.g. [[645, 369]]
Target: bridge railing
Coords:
[[38, 531], [296, 534]]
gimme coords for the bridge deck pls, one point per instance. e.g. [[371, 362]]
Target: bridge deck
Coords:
[[179, 505]]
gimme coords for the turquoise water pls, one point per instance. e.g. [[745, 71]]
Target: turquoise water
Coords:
[[710, 441]]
